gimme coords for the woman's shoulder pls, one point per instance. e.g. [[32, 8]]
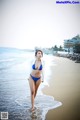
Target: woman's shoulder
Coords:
[[43, 62]]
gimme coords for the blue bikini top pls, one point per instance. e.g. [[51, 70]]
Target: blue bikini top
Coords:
[[40, 68]]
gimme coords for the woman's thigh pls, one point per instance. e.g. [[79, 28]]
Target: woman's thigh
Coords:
[[32, 84], [38, 82]]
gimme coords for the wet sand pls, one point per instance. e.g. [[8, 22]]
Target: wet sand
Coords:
[[64, 87]]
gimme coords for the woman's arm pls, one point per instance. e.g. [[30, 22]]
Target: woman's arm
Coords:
[[43, 71], [42, 75]]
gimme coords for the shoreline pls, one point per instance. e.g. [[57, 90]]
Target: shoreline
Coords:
[[64, 87]]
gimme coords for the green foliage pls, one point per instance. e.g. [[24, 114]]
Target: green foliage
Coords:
[[76, 48], [60, 48], [55, 48]]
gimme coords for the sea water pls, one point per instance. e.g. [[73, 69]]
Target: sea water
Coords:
[[14, 87]]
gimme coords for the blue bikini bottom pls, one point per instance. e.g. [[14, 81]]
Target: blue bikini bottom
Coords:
[[34, 78]]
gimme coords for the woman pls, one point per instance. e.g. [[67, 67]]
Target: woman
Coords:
[[35, 76]]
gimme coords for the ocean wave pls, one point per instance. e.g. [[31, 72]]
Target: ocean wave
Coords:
[[43, 103], [6, 60]]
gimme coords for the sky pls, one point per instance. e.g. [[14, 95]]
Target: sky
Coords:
[[37, 23]]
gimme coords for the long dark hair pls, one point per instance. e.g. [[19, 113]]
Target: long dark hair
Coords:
[[38, 51]]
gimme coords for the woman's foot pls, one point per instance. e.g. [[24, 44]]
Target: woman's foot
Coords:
[[32, 109]]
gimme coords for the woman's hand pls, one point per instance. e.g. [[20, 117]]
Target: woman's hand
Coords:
[[42, 80]]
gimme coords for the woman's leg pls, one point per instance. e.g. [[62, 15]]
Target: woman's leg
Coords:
[[32, 88], [37, 85]]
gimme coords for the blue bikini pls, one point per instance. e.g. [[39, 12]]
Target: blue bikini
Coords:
[[33, 67], [34, 78]]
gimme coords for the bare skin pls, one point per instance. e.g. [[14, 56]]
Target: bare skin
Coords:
[[36, 73], [33, 87]]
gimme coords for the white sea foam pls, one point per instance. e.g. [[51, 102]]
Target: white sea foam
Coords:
[[43, 104]]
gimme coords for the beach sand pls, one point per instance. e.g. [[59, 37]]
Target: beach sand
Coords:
[[64, 87]]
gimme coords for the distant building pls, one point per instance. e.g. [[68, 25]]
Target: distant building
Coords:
[[70, 43]]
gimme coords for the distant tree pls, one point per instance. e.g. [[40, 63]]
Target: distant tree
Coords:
[[60, 48], [76, 48], [55, 48]]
